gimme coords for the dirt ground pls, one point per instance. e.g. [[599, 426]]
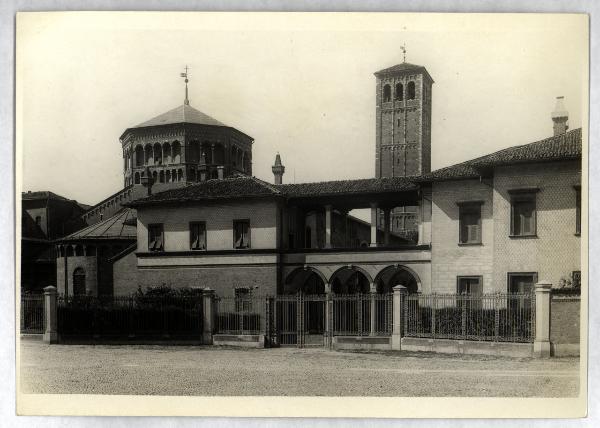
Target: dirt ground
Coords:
[[199, 370]]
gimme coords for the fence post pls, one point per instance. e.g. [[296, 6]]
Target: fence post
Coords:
[[397, 307], [541, 344], [50, 312], [433, 308], [207, 315]]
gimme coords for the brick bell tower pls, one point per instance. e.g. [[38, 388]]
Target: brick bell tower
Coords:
[[403, 131]]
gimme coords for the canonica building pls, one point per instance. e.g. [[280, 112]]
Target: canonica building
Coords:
[[192, 215]]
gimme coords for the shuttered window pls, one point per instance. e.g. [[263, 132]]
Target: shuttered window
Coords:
[[241, 234], [523, 214], [155, 237], [198, 235], [470, 222]]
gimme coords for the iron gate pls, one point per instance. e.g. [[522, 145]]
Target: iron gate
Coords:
[[299, 320]]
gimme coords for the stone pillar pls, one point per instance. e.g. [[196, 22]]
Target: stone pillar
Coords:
[[386, 226], [541, 344], [328, 316], [398, 310], [207, 316], [220, 172], [328, 209], [50, 313], [372, 308], [373, 224]]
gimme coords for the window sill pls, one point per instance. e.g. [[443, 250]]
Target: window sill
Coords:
[[578, 234], [523, 236], [470, 244]]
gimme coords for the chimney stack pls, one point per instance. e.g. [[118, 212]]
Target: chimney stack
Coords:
[[278, 170], [560, 116]]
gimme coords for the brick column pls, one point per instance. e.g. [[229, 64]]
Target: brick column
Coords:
[[207, 315], [397, 308], [386, 226], [50, 313], [328, 209], [541, 344], [373, 224]]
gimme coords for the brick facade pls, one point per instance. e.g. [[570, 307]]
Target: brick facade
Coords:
[[565, 320], [449, 258], [556, 251]]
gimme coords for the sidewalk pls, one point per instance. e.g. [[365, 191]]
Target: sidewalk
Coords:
[[197, 370]]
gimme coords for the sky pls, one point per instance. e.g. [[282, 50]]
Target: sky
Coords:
[[301, 85]]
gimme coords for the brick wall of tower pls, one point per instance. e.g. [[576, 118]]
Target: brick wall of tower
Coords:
[[403, 134]]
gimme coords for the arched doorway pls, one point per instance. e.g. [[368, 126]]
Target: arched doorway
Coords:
[[79, 282], [304, 290], [351, 301], [391, 276]]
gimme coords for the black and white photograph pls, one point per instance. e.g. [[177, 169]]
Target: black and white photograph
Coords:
[[280, 209]]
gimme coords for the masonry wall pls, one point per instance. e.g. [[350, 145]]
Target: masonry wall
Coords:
[[219, 224], [555, 252], [87, 263], [565, 320], [125, 275], [449, 259]]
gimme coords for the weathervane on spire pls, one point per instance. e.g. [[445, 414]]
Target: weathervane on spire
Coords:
[[403, 49], [186, 101]]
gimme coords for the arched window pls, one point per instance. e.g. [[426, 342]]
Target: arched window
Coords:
[[166, 153], [158, 160], [179, 175], [149, 158], [79, 282], [387, 93], [411, 91], [168, 176], [154, 177], [139, 156], [161, 177], [137, 178], [399, 91], [176, 152]]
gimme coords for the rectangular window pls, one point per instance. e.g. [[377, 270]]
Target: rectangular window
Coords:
[[521, 283], [470, 222], [471, 288], [198, 235], [523, 214], [243, 301], [155, 237], [576, 275], [577, 210], [241, 234]]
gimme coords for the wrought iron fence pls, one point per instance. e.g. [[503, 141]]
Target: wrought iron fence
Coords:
[[240, 315], [362, 314], [130, 316], [32, 314], [492, 317]]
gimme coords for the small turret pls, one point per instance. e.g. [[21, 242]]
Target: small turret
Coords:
[[278, 170], [560, 116]]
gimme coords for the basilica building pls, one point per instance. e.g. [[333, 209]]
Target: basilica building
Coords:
[[191, 214]]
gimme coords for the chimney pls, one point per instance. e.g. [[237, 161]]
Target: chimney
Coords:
[[278, 170], [560, 116]]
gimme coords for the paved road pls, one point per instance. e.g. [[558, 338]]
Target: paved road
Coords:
[[189, 370]]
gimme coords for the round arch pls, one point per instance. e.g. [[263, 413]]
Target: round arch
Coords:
[[350, 280], [307, 279], [390, 276]]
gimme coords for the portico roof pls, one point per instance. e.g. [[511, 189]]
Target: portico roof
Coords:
[[117, 226]]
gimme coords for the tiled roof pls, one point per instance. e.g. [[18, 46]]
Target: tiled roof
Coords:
[[241, 186], [345, 187], [117, 226], [562, 147], [182, 114], [42, 195], [404, 67]]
